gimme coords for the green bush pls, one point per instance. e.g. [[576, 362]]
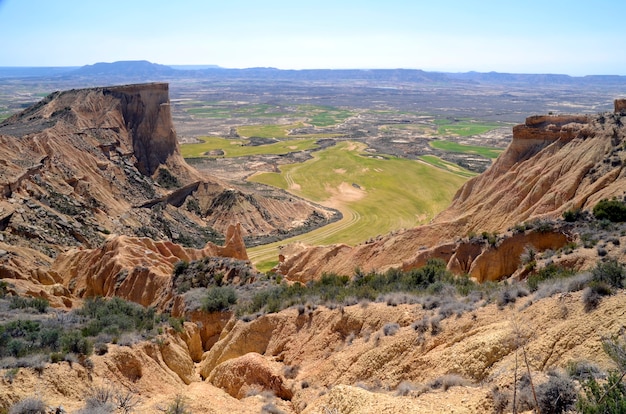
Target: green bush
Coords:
[[18, 302], [572, 215], [610, 272], [219, 298], [613, 210], [74, 342], [166, 179]]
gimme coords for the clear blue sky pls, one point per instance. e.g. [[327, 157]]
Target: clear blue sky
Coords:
[[530, 36]]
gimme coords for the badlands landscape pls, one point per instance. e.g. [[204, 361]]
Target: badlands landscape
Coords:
[[156, 248]]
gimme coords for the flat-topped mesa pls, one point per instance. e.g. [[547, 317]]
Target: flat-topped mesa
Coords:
[[620, 105], [548, 127], [146, 112]]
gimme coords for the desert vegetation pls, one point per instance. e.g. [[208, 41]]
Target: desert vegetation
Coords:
[[33, 335]]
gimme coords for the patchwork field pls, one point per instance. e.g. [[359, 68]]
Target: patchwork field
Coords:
[[452, 146], [216, 146], [377, 194], [464, 127]]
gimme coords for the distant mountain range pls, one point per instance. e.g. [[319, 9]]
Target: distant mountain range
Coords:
[[141, 71]]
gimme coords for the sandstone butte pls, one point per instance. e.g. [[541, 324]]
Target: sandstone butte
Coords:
[[319, 359], [85, 173]]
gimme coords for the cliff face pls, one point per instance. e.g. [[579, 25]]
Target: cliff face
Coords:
[[554, 163], [147, 117]]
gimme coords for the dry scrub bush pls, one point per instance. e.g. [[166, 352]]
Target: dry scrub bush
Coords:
[[448, 381], [29, 405], [390, 329]]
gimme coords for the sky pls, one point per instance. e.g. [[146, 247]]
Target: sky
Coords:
[[548, 36]]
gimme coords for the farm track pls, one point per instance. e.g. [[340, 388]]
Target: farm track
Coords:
[[321, 236]]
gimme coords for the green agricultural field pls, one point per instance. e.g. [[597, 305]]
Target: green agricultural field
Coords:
[[268, 131], [238, 147], [324, 116], [229, 110], [278, 131], [448, 166], [464, 127], [319, 116], [376, 195], [466, 149]]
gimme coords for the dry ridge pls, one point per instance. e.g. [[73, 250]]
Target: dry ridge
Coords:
[[85, 164]]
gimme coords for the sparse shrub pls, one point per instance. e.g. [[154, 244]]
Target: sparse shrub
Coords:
[[180, 267], [193, 206], [592, 295], [4, 288], [501, 400], [551, 287], [390, 329], [448, 381], [219, 298], [529, 257], [572, 215], [74, 342], [610, 272], [177, 324], [557, 395], [166, 179], [550, 271], [18, 302], [291, 371], [601, 251], [270, 408], [588, 240], [29, 405], [491, 238], [583, 370], [450, 306], [543, 225], [178, 406], [608, 396], [404, 388], [10, 375], [613, 210], [509, 293], [57, 357], [422, 325], [101, 348], [435, 326]]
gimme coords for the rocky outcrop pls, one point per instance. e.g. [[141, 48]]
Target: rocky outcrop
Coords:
[[620, 105], [554, 163], [136, 269], [147, 116], [248, 374]]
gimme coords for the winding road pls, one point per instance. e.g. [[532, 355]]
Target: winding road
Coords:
[[321, 236]]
